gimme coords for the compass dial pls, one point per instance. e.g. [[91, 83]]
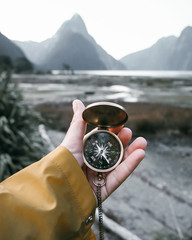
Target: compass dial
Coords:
[[102, 150]]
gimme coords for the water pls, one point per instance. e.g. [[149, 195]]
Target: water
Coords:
[[165, 87], [161, 74], [153, 74]]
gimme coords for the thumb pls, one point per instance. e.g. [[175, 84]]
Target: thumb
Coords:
[[78, 125], [74, 137]]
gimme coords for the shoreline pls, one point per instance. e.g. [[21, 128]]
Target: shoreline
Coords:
[[92, 88]]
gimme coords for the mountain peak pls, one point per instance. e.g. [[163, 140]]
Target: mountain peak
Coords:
[[77, 17], [75, 24], [71, 45], [187, 32], [169, 53]]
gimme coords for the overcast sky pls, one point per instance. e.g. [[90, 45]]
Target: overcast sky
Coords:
[[119, 26]]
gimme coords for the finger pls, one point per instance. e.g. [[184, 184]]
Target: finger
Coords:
[[77, 126], [125, 136], [116, 177], [138, 143], [74, 137]]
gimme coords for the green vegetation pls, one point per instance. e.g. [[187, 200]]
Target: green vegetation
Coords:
[[20, 140], [5, 62], [20, 65], [67, 69], [23, 65]]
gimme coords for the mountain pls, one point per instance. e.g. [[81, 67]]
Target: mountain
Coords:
[[181, 58], [10, 49], [71, 45], [170, 53]]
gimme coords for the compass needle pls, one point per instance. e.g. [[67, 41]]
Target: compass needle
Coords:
[[105, 158]]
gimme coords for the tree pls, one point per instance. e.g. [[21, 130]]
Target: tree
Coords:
[[20, 141], [5, 63], [23, 65], [67, 68]]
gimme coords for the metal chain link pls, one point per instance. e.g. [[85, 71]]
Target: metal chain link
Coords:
[[100, 210], [100, 181]]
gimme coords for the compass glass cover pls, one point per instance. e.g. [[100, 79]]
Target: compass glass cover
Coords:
[[102, 150]]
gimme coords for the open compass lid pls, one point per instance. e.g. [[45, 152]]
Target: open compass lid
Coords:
[[105, 114]]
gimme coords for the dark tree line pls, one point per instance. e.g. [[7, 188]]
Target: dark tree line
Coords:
[[20, 65]]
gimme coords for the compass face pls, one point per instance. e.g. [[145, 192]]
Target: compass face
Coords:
[[102, 150]]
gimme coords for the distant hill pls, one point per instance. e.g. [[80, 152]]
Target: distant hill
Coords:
[[170, 53], [71, 45], [9, 48]]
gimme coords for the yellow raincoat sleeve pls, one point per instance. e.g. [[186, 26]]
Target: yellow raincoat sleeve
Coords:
[[49, 200]]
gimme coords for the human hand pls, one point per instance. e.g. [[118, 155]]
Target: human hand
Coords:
[[133, 154]]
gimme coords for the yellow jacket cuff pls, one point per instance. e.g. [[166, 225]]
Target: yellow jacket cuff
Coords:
[[50, 199]]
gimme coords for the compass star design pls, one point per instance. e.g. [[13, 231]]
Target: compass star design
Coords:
[[101, 151]]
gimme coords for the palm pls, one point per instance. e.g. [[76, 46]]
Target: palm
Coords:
[[133, 154]]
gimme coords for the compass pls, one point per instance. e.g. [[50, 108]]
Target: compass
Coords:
[[103, 150]]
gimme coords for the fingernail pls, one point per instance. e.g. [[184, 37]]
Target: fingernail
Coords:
[[75, 106]]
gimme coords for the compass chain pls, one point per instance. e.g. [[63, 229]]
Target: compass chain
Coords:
[[100, 211], [100, 181]]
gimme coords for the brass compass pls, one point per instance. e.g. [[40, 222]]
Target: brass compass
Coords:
[[103, 150]]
